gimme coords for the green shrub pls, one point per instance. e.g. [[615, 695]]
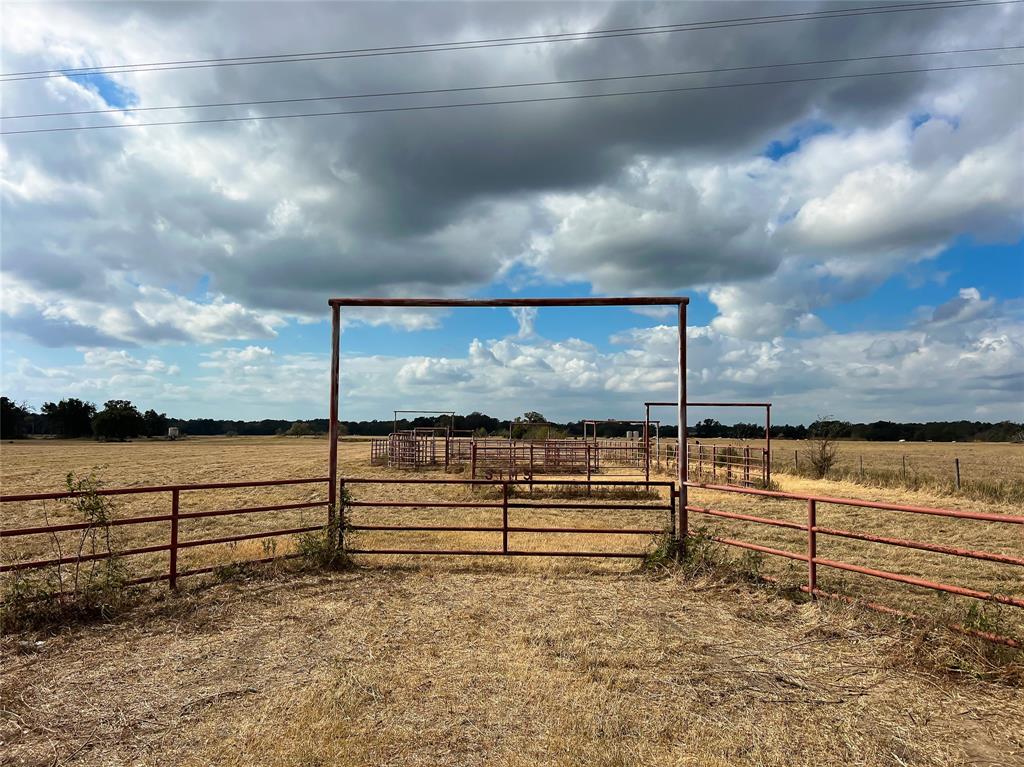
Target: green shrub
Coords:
[[92, 585]]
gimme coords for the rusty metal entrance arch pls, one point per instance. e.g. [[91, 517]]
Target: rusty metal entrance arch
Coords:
[[336, 304]]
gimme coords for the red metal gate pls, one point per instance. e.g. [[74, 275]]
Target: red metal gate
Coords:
[[654, 499]]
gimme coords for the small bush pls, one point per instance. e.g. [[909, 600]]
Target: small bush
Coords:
[[93, 585], [323, 549], [663, 554]]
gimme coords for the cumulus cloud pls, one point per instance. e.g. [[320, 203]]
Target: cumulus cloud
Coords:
[[223, 235]]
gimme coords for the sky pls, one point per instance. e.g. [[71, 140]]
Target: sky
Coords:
[[851, 246]]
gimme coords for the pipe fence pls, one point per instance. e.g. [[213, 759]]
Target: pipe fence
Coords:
[[173, 517], [812, 529]]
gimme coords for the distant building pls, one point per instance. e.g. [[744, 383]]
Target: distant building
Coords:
[[172, 432]]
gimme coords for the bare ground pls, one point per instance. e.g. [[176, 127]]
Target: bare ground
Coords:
[[495, 665]]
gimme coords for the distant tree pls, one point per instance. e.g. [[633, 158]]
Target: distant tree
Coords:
[[823, 452], [299, 429], [12, 418], [156, 423], [70, 417], [532, 416], [709, 427], [119, 420]]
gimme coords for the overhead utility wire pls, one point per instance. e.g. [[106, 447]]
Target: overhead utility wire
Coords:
[[263, 102], [508, 101], [99, 68], [472, 45]]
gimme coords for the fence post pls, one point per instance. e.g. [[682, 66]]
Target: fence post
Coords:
[[714, 461], [904, 468], [341, 515], [746, 465], [531, 468], [862, 467], [956, 462], [812, 547], [472, 459], [587, 457], [672, 521], [173, 575], [796, 461], [504, 517]]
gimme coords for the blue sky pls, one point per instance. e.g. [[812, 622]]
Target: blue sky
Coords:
[[849, 247]]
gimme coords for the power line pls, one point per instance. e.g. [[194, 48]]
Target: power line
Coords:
[[508, 101], [503, 42], [263, 102]]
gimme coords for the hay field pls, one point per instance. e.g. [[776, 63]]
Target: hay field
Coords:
[[439, 661]]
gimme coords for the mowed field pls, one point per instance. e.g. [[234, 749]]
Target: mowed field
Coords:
[[485, 661]]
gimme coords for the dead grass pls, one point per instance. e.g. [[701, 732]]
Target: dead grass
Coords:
[[40, 466], [486, 661], [462, 667]]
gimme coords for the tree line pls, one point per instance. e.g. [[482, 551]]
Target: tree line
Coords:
[[118, 419], [121, 419]]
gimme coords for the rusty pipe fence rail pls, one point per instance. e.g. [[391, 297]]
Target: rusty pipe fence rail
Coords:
[[173, 517], [812, 529], [508, 504]]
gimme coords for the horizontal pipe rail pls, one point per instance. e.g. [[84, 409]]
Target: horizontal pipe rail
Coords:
[[747, 518], [423, 505], [472, 552], [598, 506], [759, 547], [161, 489], [1005, 559], [14, 532], [248, 536], [983, 517], [913, 581], [510, 482], [83, 558], [510, 529]]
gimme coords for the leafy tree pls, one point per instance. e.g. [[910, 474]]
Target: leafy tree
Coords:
[[70, 417], [299, 429], [156, 423], [12, 418], [532, 416], [118, 420]]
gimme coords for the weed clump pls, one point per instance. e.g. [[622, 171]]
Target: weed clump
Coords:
[[88, 580], [324, 549]]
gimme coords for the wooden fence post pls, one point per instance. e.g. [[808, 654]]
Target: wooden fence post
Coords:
[[956, 462]]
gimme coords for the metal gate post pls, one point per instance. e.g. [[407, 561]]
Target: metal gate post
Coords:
[[332, 429], [341, 516], [683, 464], [173, 575], [812, 547], [504, 517]]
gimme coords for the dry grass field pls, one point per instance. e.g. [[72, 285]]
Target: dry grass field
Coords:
[[988, 470], [486, 661]]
